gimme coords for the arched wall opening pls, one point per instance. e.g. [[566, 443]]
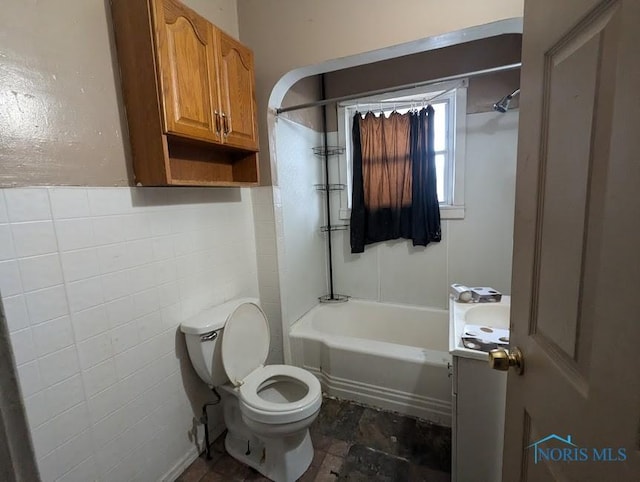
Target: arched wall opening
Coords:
[[299, 210]]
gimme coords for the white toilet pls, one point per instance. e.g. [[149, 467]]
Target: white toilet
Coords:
[[267, 409]]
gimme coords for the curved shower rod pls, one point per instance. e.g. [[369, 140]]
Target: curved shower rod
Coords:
[[318, 103]]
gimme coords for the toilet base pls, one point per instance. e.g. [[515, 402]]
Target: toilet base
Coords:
[[246, 449], [276, 459], [279, 457]]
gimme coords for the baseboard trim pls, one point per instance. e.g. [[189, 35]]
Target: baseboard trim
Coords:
[[431, 409]]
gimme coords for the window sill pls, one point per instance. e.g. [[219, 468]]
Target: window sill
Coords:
[[446, 212], [451, 212]]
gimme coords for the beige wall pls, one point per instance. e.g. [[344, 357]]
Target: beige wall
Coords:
[[287, 34], [482, 93], [308, 89], [61, 114], [223, 13], [481, 54], [432, 64]]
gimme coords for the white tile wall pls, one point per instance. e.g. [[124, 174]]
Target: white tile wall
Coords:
[[40, 272], [95, 282], [32, 239], [7, 249], [27, 205]]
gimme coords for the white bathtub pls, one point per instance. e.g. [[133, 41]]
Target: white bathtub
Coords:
[[389, 356]]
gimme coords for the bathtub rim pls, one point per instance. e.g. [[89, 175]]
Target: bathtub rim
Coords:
[[302, 328]]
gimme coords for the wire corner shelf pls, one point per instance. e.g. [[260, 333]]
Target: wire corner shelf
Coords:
[[330, 187], [333, 227], [326, 151]]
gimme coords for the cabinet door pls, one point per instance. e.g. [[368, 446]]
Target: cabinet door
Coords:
[[186, 55], [237, 96]]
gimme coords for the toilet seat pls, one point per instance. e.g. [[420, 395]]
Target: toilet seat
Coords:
[[260, 409], [245, 342], [274, 394]]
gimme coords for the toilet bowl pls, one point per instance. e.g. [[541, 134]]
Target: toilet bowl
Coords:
[[267, 409]]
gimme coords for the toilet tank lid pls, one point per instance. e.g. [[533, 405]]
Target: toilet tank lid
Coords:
[[214, 317]]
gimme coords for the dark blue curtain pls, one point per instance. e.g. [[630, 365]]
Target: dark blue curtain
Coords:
[[394, 180]]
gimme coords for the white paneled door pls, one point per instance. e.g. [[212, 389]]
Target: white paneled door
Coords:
[[574, 415]]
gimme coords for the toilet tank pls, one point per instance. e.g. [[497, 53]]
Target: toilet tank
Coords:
[[205, 353], [203, 335]]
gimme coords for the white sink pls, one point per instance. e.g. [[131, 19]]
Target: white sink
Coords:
[[493, 315]]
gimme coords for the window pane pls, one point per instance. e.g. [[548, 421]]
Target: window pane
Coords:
[[440, 161], [440, 126]]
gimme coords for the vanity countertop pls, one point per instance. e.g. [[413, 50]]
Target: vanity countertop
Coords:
[[494, 315]]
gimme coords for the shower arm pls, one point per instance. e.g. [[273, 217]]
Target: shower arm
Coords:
[[514, 93]]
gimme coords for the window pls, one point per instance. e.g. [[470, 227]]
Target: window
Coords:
[[449, 102]]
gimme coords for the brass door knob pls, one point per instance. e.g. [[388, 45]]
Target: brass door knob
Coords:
[[501, 359]]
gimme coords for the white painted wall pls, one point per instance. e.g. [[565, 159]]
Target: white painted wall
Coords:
[[301, 246], [95, 282], [475, 251]]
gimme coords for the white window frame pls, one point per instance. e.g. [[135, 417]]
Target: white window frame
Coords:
[[456, 95]]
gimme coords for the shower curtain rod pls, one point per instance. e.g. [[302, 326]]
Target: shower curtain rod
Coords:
[[318, 103]]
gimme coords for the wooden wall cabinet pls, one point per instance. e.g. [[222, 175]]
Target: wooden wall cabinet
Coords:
[[189, 93], [236, 81]]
